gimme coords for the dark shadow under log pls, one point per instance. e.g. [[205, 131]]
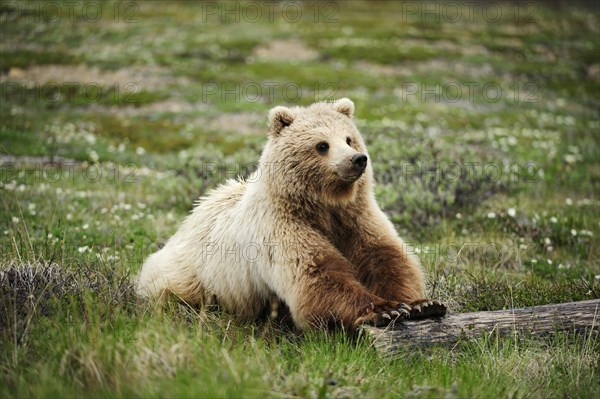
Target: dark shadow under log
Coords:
[[579, 317]]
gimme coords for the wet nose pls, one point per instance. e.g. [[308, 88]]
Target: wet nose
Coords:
[[359, 161]]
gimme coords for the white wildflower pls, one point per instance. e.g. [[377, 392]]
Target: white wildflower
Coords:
[[553, 219], [512, 212], [94, 157], [491, 215], [569, 201], [90, 138], [573, 232]]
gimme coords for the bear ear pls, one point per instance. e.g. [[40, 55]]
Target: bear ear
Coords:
[[279, 118], [344, 106]]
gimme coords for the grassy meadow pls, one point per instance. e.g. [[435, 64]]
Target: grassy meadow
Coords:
[[483, 124]]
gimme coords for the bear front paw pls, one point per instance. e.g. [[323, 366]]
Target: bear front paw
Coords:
[[379, 318], [425, 308]]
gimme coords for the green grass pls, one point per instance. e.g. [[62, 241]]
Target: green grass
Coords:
[[499, 199], [26, 58]]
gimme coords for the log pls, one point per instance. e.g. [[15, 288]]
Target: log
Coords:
[[579, 317]]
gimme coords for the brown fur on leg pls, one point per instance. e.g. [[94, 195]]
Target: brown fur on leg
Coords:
[[391, 274], [387, 271], [332, 296]]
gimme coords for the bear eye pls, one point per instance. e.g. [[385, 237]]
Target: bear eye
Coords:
[[348, 141], [322, 147]]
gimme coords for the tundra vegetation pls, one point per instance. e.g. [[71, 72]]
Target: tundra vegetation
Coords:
[[482, 122]]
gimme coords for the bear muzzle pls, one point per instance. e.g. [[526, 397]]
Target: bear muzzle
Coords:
[[355, 169], [359, 162]]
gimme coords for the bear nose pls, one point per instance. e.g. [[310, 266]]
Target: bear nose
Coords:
[[359, 161]]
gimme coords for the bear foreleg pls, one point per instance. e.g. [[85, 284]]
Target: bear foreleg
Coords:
[[330, 295], [390, 273]]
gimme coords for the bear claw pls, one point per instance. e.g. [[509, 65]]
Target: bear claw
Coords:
[[404, 311], [420, 309], [404, 306], [427, 308]]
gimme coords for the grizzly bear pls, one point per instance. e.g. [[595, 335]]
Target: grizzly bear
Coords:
[[304, 228]]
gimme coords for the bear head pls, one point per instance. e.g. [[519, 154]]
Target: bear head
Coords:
[[316, 152]]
